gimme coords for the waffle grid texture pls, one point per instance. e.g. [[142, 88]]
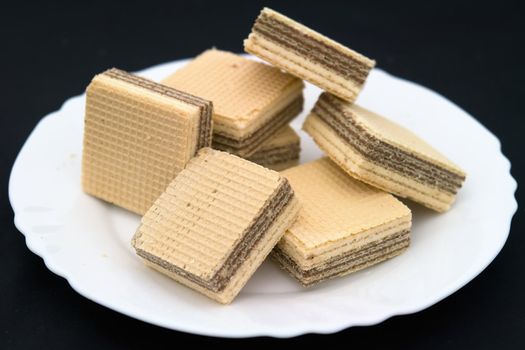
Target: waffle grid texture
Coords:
[[336, 206], [216, 207], [246, 94], [137, 138], [343, 225]]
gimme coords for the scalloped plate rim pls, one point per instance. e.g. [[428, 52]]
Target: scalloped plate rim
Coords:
[[77, 286]]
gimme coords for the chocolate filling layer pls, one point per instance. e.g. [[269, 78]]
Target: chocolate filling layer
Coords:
[[317, 51], [256, 139], [206, 107], [382, 153], [276, 155], [398, 249], [350, 260], [251, 237]]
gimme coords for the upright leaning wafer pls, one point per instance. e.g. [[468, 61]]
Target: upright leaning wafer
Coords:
[[216, 223], [307, 54], [138, 135], [383, 154], [251, 100], [343, 226], [280, 152]]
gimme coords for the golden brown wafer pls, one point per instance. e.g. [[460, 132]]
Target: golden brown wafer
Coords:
[[216, 223], [251, 100], [343, 226], [308, 55], [379, 152], [138, 135]]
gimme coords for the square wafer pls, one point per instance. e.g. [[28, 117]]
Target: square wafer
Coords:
[[216, 223], [343, 226], [251, 100], [380, 152], [308, 55], [280, 152], [138, 135]]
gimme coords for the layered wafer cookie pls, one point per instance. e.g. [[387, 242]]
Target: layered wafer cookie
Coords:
[[251, 100], [216, 223], [138, 135], [343, 226], [307, 54], [280, 152], [383, 154]]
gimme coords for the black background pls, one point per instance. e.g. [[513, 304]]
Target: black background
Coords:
[[470, 52]]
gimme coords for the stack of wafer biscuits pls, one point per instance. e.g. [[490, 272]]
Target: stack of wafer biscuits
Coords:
[[138, 135], [344, 225], [367, 146], [307, 54], [252, 100], [377, 151], [216, 223], [280, 152], [210, 217]]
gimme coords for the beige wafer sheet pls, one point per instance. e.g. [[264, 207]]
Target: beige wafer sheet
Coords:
[[203, 214], [336, 207], [355, 165], [308, 54], [312, 33], [245, 93], [368, 260], [136, 140], [383, 154], [395, 134], [318, 257], [252, 262]]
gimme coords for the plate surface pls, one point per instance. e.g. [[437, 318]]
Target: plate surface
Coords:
[[87, 241]]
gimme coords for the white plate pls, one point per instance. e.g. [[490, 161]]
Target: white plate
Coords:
[[88, 242]]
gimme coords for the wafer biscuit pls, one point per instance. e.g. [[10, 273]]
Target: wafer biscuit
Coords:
[[215, 223], [308, 55], [343, 226], [383, 154], [138, 135], [251, 100], [280, 152]]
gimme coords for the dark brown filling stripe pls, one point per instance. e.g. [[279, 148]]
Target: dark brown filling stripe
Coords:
[[317, 51], [381, 152], [399, 248], [364, 251], [302, 48], [251, 237], [392, 161], [276, 155], [351, 259], [205, 131], [256, 139], [206, 107]]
